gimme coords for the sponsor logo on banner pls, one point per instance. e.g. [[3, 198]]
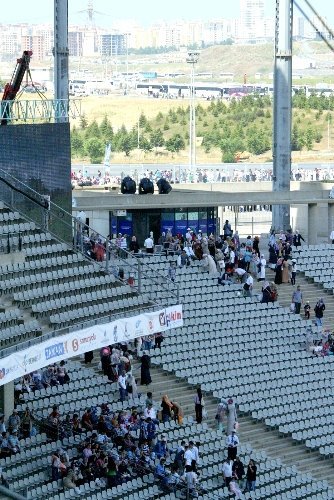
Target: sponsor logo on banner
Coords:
[[30, 360], [173, 317], [88, 340], [75, 345], [126, 332], [151, 325], [139, 328], [55, 350], [7, 370], [115, 334], [105, 339], [162, 319]]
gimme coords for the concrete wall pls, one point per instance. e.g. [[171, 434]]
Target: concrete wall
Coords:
[[98, 202]]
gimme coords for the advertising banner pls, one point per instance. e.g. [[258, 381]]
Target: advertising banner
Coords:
[[95, 337]]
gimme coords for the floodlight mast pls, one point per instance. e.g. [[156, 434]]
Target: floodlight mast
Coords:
[[193, 56], [282, 109]]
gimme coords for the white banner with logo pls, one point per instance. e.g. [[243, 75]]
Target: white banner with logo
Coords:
[[95, 337]]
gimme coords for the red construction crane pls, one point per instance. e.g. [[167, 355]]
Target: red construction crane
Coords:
[[12, 88]]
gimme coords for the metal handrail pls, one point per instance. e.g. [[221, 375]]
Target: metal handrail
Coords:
[[6, 351], [10, 494], [76, 228]]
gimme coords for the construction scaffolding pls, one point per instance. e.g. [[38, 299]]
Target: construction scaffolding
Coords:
[[39, 111]]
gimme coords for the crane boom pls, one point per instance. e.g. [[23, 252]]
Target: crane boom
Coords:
[[12, 88]]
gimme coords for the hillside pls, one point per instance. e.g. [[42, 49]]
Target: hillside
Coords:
[[224, 130]]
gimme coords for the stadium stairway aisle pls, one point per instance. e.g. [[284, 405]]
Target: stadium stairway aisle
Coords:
[[311, 292], [256, 434]]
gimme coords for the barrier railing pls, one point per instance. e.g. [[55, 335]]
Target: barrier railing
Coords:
[[39, 110], [63, 227]]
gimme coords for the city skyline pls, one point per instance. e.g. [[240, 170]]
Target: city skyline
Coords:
[[145, 12]]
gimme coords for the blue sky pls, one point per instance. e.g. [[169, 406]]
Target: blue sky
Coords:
[[143, 11]]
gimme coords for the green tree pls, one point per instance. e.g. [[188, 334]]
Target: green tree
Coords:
[[258, 142], [175, 143], [106, 128], [95, 150], [157, 138], [93, 130], [159, 117], [145, 144], [309, 138], [83, 122], [77, 144], [143, 120], [126, 144], [297, 139]]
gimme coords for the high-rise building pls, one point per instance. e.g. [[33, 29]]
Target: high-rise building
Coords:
[[36, 44], [113, 44], [75, 43], [252, 19]]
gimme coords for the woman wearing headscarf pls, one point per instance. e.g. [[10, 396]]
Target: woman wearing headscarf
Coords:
[[205, 246], [266, 293], [199, 403], [261, 275], [256, 243], [231, 412], [131, 386], [220, 415], [285, 271], [278, 272], [145, 375], [177, 412], [166, 406], [209, 262]]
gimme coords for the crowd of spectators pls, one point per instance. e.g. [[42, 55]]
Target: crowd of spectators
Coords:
[[178, 175], [118, 445], [115, 446]]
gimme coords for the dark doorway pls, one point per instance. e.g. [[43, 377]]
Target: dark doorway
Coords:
[[144, 222], [154, 221]]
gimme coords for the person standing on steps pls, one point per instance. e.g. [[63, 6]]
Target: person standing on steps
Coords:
[[251, 476], [293, 272], [297, 299], [331, 237], [232, 442], [231, 413], [199, 403], [319, 311], [149, 244], [145, 375], [297, 240]]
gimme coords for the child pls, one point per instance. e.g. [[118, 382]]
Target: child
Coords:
[[307, 309], [293, 271]]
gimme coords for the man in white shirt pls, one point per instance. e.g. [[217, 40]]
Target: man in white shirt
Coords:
[[232, 256], [232, 442], [227, 471], [149, 244], [248, 286], [150, 412], [191, 478], [188, 456], [194, 455], [122, 386], [188, 235], [262, 268], [331, 236], [189, 251]]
